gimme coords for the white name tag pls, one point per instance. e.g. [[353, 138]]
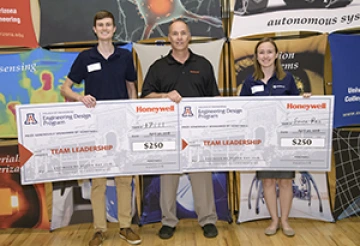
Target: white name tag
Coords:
[[94, 67], [257, 88]]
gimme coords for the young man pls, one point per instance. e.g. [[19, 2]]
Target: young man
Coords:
[[183, 74], [108, 73]]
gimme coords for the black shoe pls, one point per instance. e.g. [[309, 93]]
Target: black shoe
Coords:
[[166, 232], [210, 230]]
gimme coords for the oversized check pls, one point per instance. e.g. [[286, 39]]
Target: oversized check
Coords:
[[65, 141], [257, 133]]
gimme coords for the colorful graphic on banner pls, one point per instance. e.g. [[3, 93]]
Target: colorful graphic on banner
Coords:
[[267, 16], [345, 52], [20, 206], [30, 77], [184, 198], [302, 57], [72, 205], [150, 53], [135, 19], [311, 198], [16, 24], [347, 163]]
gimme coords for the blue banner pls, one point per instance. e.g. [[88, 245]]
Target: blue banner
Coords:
[[184, 202], [345, 51], [30, 77]]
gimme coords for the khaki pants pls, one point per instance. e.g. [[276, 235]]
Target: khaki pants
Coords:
[[123, 191], [203, 194]]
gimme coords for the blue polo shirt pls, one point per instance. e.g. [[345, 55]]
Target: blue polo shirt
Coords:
[[105, 79], [274, 87]]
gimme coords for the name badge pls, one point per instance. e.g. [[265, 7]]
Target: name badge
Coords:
[[257, 88], [94, 67]]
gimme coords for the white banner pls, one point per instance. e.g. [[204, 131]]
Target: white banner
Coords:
[[311, 198], [262, 133], [67, 141], [260, 17]]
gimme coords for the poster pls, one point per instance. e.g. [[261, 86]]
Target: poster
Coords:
[[135, 19], [345, 84], [30, 77], [268, 16], [16, 24], [311, 198], [302, 57], [20, 206], [347, 164]]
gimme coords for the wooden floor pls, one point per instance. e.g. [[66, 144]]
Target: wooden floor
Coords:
[[188, 232]]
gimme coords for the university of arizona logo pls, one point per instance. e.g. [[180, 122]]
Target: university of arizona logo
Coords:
[[30, 119], [187, 112]]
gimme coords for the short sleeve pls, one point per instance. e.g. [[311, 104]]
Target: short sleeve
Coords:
[[245, 89], [212, 88], [150, 82], [130, 69], [294, 91], [78, 69]]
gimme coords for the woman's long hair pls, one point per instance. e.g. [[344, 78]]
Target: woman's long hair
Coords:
[[258, 73]]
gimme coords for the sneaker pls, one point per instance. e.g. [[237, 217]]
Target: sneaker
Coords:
[[97, 239], [166, 232], [210, 230], [129, 235]]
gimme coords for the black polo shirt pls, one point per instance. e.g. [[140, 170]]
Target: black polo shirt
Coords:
[[105, 79], [194, 78]]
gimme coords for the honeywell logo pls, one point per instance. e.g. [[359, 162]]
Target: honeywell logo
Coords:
[[306, 106], [155, 110]]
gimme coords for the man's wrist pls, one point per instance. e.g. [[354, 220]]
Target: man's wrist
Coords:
[[78, 98]]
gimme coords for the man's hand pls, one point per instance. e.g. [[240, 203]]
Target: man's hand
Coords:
[[306, 95], [174, 96], [89, 101]]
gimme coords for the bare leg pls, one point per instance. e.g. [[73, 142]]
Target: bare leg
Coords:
[[286, 198], [269, 186]]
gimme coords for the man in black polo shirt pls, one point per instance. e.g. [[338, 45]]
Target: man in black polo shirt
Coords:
[[108, 73], [183, 74]]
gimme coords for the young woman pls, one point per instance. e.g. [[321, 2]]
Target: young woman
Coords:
[[269, 79]]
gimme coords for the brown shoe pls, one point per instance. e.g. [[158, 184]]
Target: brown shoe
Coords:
[[97, 239], [130, 236]]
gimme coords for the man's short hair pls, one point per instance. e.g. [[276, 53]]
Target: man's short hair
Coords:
[[179, 20], [103, 14]]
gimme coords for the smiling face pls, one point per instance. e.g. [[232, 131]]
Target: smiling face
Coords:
[[266, 55], [179, 36], [104, 29]]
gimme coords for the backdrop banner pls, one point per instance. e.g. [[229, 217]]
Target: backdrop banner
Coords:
[[71, 203], [347, 162], [302, 57], [30, 77], [345, 52], [135, 20], [16, 24], [20, 206], [184, 198], [311, 198], [267, 16]]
